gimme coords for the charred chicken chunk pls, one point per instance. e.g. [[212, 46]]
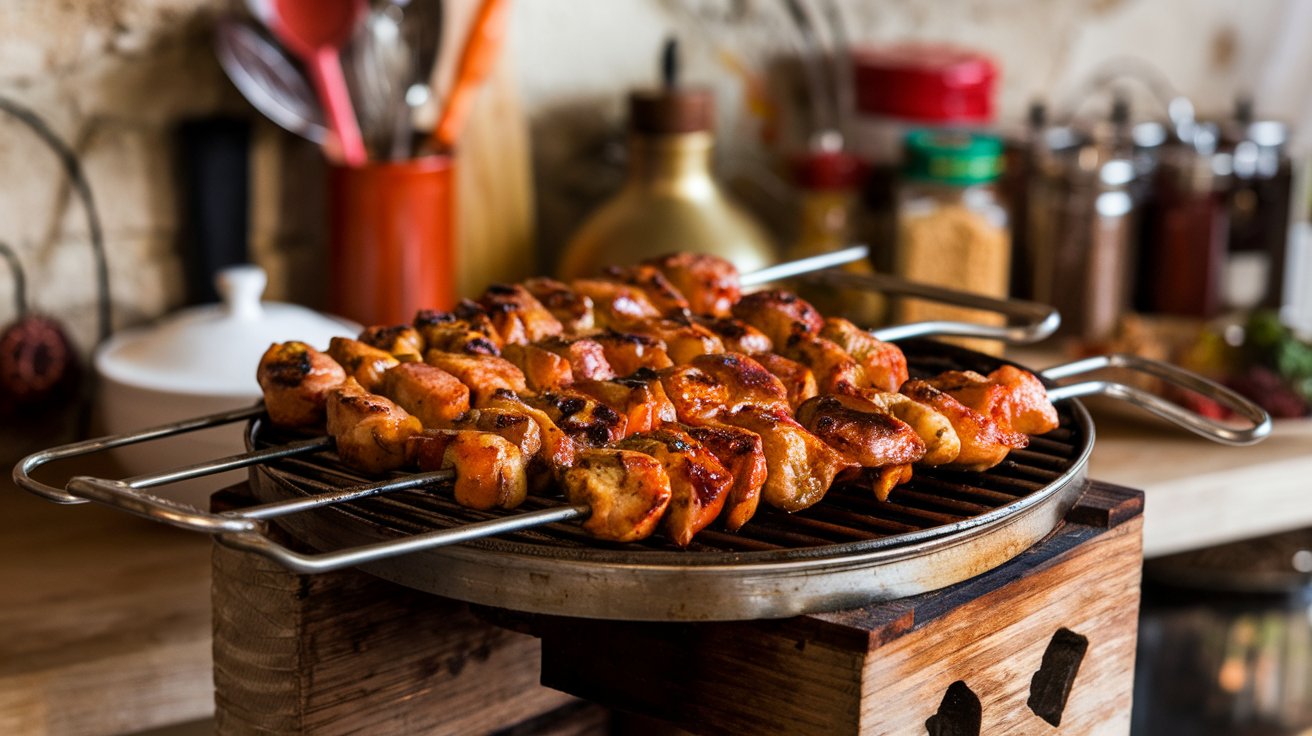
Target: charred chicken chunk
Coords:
[[370, 431], [747, 381], [626, 491], [490, 470], [742, 453], [884, 364], [640, 398], [403, 342], [572, 309], [710, 284], [652, 283], [799, 466], [1013, 398], [543, 369], [483, 374], [615, 305], [880, 481], [436, 398], [737, 336], [296, 380], [586, 357], [699, 484], [365, 363], [558, 449], [517, 316], [590, 422], [696, 395], [983, 443], [860, 431], [779, 314], [627, 352], [834, 369], [798, 380], [941, 443], [513, 425], [448, 333], [683, 340]]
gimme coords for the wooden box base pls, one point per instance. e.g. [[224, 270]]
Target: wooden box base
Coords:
[[1044, 644]]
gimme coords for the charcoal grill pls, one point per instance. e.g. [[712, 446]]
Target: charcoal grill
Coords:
[[941, 528]]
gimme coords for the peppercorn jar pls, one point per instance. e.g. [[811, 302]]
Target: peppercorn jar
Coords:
[[952, 226]]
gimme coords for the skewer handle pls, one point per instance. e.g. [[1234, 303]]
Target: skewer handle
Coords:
[[1258, 419]]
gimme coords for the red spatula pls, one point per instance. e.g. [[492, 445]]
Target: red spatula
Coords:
[[316, 31]]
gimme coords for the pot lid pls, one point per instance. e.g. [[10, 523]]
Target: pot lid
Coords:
[[214, 349]]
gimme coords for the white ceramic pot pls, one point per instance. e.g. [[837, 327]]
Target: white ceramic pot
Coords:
[[199, 361]]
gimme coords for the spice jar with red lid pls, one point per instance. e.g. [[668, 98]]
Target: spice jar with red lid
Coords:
[[902, 88]]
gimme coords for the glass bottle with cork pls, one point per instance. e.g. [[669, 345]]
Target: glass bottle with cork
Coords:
[[671, 199], [952, 225]]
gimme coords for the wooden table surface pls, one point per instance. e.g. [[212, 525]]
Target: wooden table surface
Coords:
[[104, 620]]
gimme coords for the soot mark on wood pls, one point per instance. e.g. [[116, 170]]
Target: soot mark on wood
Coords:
[[1050, 687], [959, 714]]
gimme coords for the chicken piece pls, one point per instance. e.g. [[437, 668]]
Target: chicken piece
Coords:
[[365, 363], [627, 352], [779, 314], [558, 449], [448, 333], [884, 364], [880, 481], [586, 357], [699, 484], [941, 442], [709, 283], [574, 310], [403, 342], [370, 431], [835, 371], [490, 471], [296, 380], [742, 453], [747, 381], [696, 395], [590, 422], [799, 466], [640, 398], [543, 369], [683, 340], [652, 283], [483, 374], [1014, 398], [517, 316], [983, 443], [436, 398], [798, 380], [615, 306], [626, 491], [513, 425], [860, 431], [737, 336]]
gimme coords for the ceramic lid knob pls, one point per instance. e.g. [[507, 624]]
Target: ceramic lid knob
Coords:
[[241, 288]]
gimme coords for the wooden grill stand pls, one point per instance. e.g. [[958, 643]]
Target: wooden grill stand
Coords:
[[1044, 644]]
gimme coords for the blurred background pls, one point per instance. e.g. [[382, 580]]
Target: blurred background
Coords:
[[1140, 164]]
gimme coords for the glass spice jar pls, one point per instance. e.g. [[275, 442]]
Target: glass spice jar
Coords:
[[952, 226]]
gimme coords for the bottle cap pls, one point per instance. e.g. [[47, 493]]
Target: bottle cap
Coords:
[[957, 158], [930, 83], [672, 110]]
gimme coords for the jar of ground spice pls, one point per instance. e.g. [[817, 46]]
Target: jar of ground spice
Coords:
[[952, 225]]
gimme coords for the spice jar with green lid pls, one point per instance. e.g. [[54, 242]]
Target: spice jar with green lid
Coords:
[[952, 225]]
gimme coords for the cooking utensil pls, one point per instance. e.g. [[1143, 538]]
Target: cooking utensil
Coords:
[[315, 31], [377, 61], [480, 51], [268, 79], [422, 30]]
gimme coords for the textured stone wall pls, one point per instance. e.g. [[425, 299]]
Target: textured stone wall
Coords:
[[113, 77]]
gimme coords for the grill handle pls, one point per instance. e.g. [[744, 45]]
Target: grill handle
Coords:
[[1032, 321], [1213, 430]]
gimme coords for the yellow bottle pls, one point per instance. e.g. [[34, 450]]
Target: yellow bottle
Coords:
[[671, 200]]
